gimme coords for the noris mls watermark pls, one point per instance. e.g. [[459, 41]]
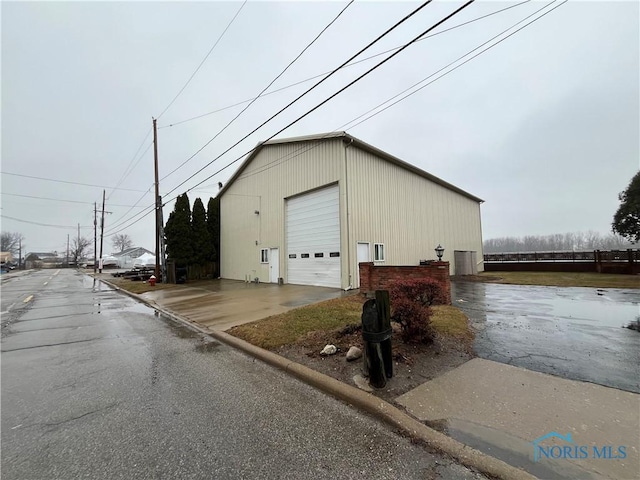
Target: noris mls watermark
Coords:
[[573, 450]]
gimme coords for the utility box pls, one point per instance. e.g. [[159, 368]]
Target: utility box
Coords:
[[466, 262]]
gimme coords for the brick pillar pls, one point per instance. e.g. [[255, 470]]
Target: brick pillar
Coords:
[[365, 269]]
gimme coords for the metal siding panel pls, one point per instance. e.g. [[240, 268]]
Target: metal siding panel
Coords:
[[279, 171], [408, 213]]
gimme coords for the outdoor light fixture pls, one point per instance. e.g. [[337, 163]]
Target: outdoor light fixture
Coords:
[[439, 252], [256, 212]]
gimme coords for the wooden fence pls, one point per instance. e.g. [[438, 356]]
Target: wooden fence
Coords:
[[601, 261]]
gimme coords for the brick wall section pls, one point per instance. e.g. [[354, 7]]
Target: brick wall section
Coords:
[[380, 277]]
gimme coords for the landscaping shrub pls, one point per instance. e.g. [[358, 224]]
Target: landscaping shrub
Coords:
[[410, 302]]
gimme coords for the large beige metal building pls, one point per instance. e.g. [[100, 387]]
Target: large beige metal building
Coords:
[[307, 210]]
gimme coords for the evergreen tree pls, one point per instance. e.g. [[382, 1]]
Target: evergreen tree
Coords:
[[202, 243], [626, 221], [178, 233], [213, 225]]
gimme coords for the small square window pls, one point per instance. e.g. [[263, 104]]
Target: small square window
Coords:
[[304, 255], [334, 254], [292, 255], [318, 255], [378, 252], [264, 255]]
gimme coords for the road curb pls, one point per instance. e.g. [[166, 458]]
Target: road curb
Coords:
[[360, 399]]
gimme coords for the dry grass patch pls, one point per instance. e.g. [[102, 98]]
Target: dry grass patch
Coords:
[[139, 286], [562, 279], [287, 328], [449, 321], [330, 316]]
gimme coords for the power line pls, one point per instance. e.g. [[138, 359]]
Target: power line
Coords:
[[57, 199], [461, 64], [310, 89], [143, 214], [68, 182], [126, 170], [355, 62], [304, 149], [203, 60], [43, 224], [263, 90], [120, 221], [353, 82]]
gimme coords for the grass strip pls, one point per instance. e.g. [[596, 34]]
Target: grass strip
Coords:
[[563, 279], [291, 327]]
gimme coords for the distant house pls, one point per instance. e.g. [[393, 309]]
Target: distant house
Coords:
[[6, 257], [43, 260], [126, 257]]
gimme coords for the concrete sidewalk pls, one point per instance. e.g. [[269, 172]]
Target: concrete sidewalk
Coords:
[[500, 410], [222, 304]]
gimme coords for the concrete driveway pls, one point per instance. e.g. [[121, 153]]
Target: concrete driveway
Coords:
[[222, 304], [575, 333]]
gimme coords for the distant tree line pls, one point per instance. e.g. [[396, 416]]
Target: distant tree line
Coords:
[[557, 242], [192, 237]]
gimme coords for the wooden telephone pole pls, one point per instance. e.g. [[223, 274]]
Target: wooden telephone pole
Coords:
[[101, 231], [95, 235], [157, 198]]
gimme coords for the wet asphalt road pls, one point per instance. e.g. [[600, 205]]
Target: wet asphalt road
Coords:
[[95, 386], [574, 333]]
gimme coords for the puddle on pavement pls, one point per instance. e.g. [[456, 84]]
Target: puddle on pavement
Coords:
[[604, 312], [576, 333], [208, 346], [180, 331], [518, 304]]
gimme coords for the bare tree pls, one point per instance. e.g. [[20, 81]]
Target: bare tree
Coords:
[[590, 240], [10, 241], [121, 241], [80, 248]]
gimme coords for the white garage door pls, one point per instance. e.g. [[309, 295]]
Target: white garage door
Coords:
[[313, 238]]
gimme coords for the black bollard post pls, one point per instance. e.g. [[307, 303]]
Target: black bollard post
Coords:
[[376, 333], [384, 319]]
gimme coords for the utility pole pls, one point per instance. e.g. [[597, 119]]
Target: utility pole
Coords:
[[95, 235], [67, 257], [157, 199], [78, 246], [101, 230], [163, 259], [19, 254]]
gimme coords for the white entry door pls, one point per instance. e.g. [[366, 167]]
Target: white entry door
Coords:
[[274, 265], [364, 255]]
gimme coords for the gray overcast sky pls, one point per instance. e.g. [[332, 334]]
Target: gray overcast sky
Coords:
[[544, 127]]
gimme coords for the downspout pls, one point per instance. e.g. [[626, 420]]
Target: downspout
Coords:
[[346, 186]]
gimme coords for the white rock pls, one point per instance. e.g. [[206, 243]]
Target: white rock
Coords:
[[329, 350], [362, 383], [354, 353]]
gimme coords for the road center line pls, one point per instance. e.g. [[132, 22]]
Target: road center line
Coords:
[[27, 299]]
